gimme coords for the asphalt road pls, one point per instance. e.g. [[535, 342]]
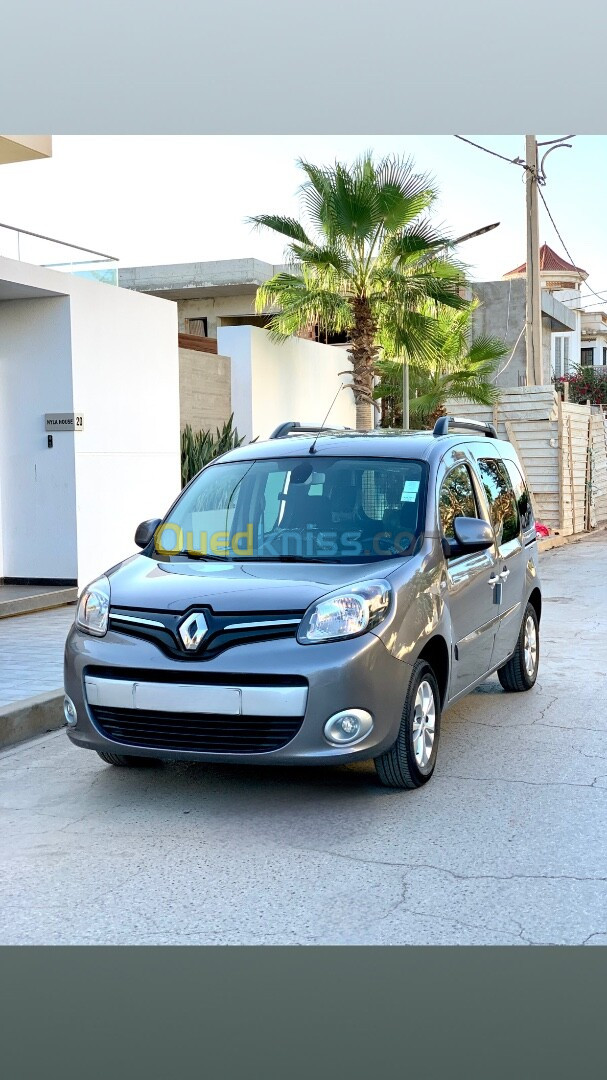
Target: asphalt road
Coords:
[[506, 845]]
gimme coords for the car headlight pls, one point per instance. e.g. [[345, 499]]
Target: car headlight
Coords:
[[93, 607], [346, 612]]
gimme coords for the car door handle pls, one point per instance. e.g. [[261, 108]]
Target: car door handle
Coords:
[[493, 580], [505, 573]]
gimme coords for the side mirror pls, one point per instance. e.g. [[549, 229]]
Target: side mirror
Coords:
[[472, 534], [145, 531]]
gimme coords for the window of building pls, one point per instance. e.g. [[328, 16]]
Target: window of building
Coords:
[[197, 327], [587, 357], [456, 499], [604, 356], [501, 498]]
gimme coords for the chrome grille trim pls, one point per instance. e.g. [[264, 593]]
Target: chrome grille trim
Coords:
[[135, 619], [262, 625]]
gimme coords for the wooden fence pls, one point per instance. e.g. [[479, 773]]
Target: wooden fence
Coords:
[[563, 448]]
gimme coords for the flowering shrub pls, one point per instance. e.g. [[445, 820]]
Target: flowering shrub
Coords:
[[586, 385]]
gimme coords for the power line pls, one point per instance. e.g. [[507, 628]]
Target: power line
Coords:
[[494, 153], [566, 249], [523, 165], [582, 300], [501, 370]]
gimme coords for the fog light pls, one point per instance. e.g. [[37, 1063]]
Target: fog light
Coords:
[[69, 711], [348, 726]]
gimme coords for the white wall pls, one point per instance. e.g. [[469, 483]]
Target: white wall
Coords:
[[292, 380], [126, 384], [110, 354], [37, 484]]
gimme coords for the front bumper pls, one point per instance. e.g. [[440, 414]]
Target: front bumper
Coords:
[[307, 683]]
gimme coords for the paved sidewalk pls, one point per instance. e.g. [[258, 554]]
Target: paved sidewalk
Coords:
[[506, 845], [31, 651]]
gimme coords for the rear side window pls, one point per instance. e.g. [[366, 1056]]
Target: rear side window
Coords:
[[456, 499], [500, 496], [523, 498]]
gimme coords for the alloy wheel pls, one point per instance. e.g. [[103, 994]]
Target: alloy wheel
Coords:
[[424, 719], [530, 646]]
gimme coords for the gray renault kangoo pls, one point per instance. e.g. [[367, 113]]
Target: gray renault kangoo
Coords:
[[319, 598]]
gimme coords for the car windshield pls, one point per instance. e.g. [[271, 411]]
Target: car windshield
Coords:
[[310, 509]]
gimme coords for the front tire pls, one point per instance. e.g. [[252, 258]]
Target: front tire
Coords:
[[127, 761], [520, 672], [410, 761]]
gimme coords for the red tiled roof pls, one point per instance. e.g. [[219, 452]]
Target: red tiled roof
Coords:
[[549, 260]]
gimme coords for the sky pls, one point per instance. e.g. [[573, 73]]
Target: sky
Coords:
[[171, 199]]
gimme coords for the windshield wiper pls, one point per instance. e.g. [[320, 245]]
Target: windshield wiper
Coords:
[[296, 558], [201, 555]]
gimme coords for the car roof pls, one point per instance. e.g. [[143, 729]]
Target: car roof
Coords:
[[380, 443]]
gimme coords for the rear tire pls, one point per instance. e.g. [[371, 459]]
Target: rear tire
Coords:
[[410, 761], [520, 672], [123, 760]]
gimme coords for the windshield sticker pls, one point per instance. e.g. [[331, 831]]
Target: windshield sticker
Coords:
[[410, 491]]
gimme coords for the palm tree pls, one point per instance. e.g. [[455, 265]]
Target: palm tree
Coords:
[[461, 368], [368, 255]]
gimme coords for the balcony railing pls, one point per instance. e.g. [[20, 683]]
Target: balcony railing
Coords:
[[41, 250]]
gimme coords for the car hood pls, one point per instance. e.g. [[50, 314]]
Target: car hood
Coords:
[[145, 583]]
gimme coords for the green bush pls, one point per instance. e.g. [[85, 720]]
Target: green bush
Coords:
[[200, 447]]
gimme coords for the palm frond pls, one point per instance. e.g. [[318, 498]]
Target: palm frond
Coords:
[[317, 197], [286, 226], [321, 258], [302, 302], [402, 194], [415, 242]]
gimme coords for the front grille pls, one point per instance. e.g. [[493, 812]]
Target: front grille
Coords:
[[194, 678], [224, 631], [200, 732]]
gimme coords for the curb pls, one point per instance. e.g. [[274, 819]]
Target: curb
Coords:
[[32, 716], [31, 605], [551, 542]]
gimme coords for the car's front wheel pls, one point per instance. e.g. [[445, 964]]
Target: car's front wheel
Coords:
[[410, 761], [123, 760], [520, 672]]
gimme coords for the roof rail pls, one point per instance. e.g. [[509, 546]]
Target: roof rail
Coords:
[[293, 427], [443, 424]]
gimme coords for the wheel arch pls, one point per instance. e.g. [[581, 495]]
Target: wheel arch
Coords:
[[535, 600], [436, 653]]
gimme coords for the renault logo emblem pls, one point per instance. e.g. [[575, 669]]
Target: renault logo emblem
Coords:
[[192, 630]]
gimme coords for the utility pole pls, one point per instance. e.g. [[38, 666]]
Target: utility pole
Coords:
[[533, 317]]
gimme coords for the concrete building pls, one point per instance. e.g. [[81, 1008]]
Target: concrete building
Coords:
[[208, 294], [246, 374], [563, 281], [89, 422], [205, 384], [501, 314]]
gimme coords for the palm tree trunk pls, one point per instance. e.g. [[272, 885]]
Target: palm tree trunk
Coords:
[[364, 417], [363, 354]]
